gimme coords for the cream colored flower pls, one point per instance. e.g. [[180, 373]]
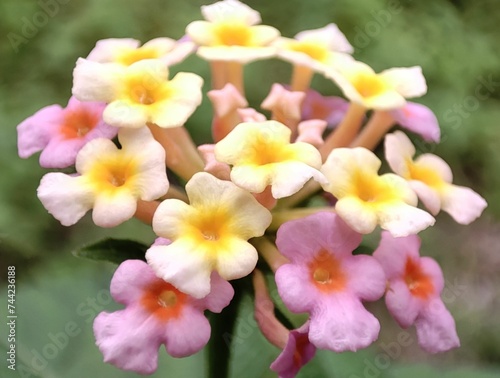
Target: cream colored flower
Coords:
[[381, 91], [139, 93], [231, 33], [261, 154], [209, 234], [431, 178], [366, 199]]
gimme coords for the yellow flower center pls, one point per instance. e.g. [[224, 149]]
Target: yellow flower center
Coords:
[[145, 89], [425, 174], [232, 34], [130, 56], [167, 298], [368, 187], [113, 173], [209, 225], [369, 85], [313, 49]]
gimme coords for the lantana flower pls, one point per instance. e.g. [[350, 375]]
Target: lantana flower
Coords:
[[231, 33], [366, 199], [261, 154], [109, 180], [61, 132], [386, 90], [413, 295], [325, 280], [431, 178], [297, 352], [313, 51], [127, 51], [139, 93], [155, 313], [209, 234], [315, 48]]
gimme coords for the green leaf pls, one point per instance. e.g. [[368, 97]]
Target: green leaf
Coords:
[[113, 250]]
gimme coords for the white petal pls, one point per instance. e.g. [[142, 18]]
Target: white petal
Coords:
[[126, 114], [429, 197], [409, 82], [403, 220], [330, 35], [110, 210], [94, 81], [237, 261], [183, 265], [65, 197], [463, 204], [398, 150], [436, 164], [230, 10], [105, 50]]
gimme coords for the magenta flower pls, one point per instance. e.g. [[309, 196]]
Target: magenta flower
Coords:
[[325, 280], [61, 132], [419, 119], [298, 351], [413, 297], [155, 313]]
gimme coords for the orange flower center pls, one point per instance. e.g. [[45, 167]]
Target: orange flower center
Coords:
[[419, 283], [163, 300], [78, 123], [326, 272]]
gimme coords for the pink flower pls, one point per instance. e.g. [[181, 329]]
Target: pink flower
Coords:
[[155, 313], [325, 280], [413, 297], [61, 132], [419, 119], [332, 109], [298, 351]]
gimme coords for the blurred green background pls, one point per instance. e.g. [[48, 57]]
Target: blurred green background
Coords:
[[455, 42]]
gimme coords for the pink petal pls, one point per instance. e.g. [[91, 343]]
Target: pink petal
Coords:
[[342, 323], [436, 330], [129, 339], [297, 352], [130, 280], [392, 253], [221, 293], [366, 277], [402, 305], [187, 334], [332, 109], [418, 119], [295, 288], [35, 132], [300, 240]]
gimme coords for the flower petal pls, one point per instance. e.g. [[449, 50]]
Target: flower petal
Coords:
[[94, 81], [463, 204], [66, 198], [110, 210], [342, 324], [408, 81], [295, 289], [419, 119]]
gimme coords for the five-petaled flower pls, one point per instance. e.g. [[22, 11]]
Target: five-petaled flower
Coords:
[[366, 199], [231, 33], [155, 313], [109, 180], [209, 234], [413, 295], [261, 154], [61, 132], [325, 280], [430, 177], [386, 90], [138, 94]]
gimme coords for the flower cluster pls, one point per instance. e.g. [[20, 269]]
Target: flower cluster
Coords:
[[123, 130]]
